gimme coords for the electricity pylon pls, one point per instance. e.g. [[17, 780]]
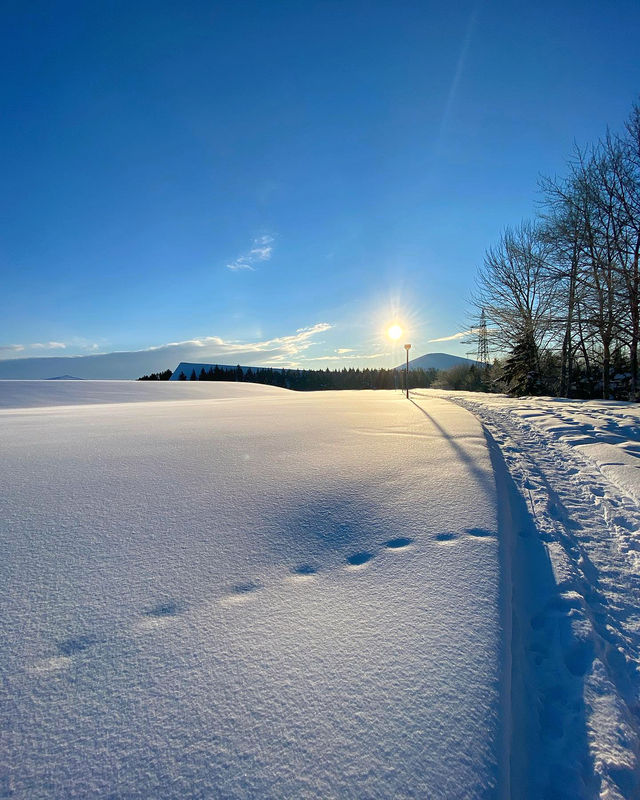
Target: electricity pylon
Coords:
[[483, 341]]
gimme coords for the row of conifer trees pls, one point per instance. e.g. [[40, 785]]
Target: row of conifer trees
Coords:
[[308, 379]]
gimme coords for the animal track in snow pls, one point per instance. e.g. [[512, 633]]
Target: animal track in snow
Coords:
[[160, 615], [359, 559], [166, 612], [77, 644], [240, 593], [168, 609], [67, 648], [481, 533], [400, 543], [304, 570]]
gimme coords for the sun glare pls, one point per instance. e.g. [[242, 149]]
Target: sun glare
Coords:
[[394, 332]]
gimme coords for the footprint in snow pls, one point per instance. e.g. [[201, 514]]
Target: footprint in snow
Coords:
[[302, 573], [446, 536], [67, 648], [359, 559], [168, 609], [401, 543], [305, 569], [481, 533], [160, 615], [622, 522], [240, 593], [579, 658], [77, 644]]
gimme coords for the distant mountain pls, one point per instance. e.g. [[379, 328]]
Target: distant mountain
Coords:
[[64, 378], [437, 361]]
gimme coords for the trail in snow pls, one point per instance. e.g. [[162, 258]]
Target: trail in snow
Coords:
[[576, 638]]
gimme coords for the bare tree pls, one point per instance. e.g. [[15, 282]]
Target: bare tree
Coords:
[[622, 179], [562, 296], [514, 290]]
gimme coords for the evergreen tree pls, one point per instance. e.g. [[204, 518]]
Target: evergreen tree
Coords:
[[522, 367]]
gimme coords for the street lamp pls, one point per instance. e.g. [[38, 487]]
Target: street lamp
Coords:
[[407, 347]]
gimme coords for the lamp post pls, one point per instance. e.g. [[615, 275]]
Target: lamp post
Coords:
[[407, 347]]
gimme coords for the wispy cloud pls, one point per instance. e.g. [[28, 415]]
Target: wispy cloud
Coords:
[[260, 251], [457, 75], [341, 350], [288, 345], [451, 338], [345, 356], [11, 348], [133, 363], [48, 345]]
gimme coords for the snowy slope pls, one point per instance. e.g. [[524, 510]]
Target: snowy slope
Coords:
[[272, 595], [34, 394], [574, 468]]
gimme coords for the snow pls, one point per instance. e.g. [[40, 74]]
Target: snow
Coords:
[[38, 394], [230, 591], [568, 476]]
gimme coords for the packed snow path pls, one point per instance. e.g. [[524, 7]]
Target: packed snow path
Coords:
[[576, 590], [249, 593]]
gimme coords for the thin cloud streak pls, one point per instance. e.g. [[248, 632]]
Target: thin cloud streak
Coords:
[[452, 338], [20, 348], [460, 64], [260, 251], [127, 365], [346, 357]]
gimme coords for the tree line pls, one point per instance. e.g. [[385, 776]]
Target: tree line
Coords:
[[308, 380], [561, 292]]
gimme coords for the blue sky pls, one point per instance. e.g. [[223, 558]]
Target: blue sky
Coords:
[[280, 180]]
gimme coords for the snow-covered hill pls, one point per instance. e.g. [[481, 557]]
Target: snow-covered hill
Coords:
[[32, 394], [436, 361]]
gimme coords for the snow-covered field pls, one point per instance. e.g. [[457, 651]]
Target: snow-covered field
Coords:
[[234, 591], [222, 590], [573, 475]]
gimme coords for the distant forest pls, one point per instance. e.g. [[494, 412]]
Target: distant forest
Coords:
[[308, 380]]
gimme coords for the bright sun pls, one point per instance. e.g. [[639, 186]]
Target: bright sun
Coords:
[[395, 332]]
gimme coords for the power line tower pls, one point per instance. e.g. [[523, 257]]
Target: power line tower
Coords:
[[483, 341]]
